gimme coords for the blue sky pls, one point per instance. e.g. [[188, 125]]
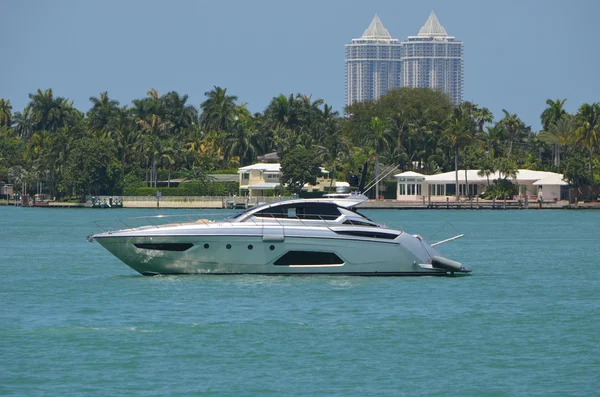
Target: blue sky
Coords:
[[517, 53]]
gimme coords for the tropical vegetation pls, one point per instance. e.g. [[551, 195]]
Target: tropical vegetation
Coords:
[[52, 147]]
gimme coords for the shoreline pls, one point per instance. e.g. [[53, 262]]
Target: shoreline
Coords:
[[371, 204]]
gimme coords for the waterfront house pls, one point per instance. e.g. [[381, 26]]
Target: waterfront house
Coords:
[[256, 179], [412, 186], [6, 190]]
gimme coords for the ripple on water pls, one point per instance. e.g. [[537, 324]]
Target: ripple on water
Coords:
[[76, 321]]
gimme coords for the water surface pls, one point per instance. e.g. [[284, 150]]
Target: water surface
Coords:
[[76, 321]]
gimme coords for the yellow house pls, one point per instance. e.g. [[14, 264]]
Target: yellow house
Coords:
[[257, 178]]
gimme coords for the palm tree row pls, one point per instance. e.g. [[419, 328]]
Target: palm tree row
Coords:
[[161, 136]]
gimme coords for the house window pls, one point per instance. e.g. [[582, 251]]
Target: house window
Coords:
[[246, 175], [436, 190], [409, 189]]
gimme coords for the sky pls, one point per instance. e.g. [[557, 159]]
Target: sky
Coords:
[[517, 53]]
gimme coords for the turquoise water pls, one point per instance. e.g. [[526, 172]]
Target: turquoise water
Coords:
[[75, 321]]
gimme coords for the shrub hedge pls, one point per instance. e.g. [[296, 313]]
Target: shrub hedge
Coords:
[[187, 189]]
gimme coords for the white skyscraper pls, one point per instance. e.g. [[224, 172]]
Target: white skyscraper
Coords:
[[373, 64], [433, 59]]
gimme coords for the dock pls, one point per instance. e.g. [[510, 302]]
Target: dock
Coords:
[[474, 204]]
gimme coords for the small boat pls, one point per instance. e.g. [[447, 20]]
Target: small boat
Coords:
[[301, 236]]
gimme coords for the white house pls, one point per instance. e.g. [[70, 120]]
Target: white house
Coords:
[[257, 178], [414, 186]]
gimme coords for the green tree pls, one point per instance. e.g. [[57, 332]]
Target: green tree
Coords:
[[92, 168], [103, 111], [514, 128], [239, 141], [416, 118], [559, 133], [218, 110], [575, 172], [377, 139], [49, 113], [507, 168], [121, 131], [298, 167], [588, 131], [553, 113], [176, 110], [152, 144], [487, 168], [456, 135], [5, 113]]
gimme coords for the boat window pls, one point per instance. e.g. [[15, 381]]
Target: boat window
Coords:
[[358, 223], [180, 247], [273, 212], [299, 258], [301, 211], [369, 234]]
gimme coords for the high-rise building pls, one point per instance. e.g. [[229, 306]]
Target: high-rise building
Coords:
[[433, 59], [373, 64]]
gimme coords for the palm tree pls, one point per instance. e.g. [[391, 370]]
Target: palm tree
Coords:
[[176, 110], [552, 113], [24, 125], [239, 142], [507, 168], [166, 154], [513, 126], [280, 109], [309, 113], [121, 131], [457, 134], [153, 129], [5, 113], [559, 134], [102, 112], [488, 167], [50, 113], [377, 139], [194, 147], [588, 131], [492, 140], [482, 116], [218, 110]]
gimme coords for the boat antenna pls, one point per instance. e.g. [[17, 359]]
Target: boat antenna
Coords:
[[363, 178], [375, 181]]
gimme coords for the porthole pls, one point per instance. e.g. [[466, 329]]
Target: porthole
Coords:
[[272, 247], [206, 245], [228, 246], [250, 247]]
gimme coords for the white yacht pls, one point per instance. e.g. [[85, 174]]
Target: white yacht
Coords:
[[302, 236]]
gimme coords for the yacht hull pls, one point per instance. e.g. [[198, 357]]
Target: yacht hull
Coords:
[[254, 255]]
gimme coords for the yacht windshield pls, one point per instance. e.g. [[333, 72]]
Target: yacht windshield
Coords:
[[301, 211]]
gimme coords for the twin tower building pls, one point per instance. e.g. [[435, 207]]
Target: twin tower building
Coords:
[[377, 63]]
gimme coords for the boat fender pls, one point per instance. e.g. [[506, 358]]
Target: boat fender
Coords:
[[447, 264]]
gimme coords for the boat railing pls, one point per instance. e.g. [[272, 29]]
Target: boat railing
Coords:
[[162, 221], [159, 221]]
